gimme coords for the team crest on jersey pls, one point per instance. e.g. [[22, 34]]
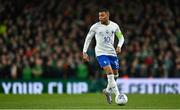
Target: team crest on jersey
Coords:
[[107, 32]]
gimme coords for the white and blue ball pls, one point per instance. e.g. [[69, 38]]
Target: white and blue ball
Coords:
[[121, 99]]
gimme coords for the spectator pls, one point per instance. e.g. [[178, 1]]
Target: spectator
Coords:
[[44, 39]]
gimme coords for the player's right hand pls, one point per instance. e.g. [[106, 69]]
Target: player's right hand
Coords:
[[85, 57], [118, 50]]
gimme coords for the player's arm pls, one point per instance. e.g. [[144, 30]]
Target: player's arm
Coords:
[[121, 40], [88, 39]]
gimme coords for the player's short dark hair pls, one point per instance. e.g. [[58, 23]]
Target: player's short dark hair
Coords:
[[104, 10]]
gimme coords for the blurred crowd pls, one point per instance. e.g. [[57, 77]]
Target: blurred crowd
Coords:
[[44, 39]]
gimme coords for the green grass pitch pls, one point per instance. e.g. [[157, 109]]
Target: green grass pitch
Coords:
[[87, 101]]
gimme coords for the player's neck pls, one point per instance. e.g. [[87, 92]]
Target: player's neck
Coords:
[[105, 23]]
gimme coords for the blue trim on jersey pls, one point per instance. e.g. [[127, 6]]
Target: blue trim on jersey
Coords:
[[105, 60]]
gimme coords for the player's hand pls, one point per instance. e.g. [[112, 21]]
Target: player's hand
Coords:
[[118, 50], [85, 57]]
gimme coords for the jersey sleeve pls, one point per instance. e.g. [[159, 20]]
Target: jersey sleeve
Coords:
[[88, 39], [119, 36]]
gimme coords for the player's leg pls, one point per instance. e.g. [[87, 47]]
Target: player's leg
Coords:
[[107, 91], [111, 81], [114, 61], [116, 75], [108, 70], [104, 63]]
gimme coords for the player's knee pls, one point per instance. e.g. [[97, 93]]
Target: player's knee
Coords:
[[108, 69], [109, 73]]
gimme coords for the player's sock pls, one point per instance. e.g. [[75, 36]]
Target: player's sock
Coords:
[[112, 84], [108, 89]]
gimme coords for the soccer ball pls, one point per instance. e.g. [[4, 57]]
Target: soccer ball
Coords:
[[121, 99]]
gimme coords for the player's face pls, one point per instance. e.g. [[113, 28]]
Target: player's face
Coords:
[[103, 17]]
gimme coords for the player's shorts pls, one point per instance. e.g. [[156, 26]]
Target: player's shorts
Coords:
[[105, 60]]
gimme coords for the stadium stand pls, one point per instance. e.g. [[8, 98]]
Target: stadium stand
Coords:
[[44, 39]]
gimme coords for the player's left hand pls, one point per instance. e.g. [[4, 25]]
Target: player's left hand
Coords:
[[118, 50]]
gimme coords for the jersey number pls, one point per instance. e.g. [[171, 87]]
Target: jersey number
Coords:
[[107, 39]]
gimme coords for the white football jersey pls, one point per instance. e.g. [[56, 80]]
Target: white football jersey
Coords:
[[104, 36]]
